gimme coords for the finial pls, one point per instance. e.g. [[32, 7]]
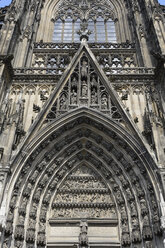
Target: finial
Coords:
[[84, 32], [84, 5]]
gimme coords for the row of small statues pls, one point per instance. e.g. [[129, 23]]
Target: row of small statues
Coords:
[[74, 98]]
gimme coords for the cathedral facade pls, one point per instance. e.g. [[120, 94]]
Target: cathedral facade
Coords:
[[82, 124]]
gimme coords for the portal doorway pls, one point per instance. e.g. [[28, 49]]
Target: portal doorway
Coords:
[[83, 206]]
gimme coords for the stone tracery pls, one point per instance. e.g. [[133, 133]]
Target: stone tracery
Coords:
[[45, 165], [69, 16], [84, 88]]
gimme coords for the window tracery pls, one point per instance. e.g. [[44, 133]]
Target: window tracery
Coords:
[[101, 22]]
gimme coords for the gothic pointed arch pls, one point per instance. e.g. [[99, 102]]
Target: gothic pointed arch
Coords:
[[83, 83], [85, 148], [82, 9], [82, 124]]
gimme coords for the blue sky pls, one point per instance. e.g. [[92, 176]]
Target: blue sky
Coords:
[[4, 3]]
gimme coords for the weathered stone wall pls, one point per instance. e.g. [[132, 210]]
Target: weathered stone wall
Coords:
[[65, 107]]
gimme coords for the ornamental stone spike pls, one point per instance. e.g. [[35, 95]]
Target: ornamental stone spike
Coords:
[[84, 32]]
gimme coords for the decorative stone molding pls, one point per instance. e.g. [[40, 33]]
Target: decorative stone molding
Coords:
[[126, 185]]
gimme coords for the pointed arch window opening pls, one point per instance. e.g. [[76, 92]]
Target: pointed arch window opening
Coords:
[[102, 30]]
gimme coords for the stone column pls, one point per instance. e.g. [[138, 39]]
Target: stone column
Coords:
[[141, 33], [3, 181], [162, 205], [159, 29]]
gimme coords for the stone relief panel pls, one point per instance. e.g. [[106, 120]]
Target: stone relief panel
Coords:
[[85, 213], [83, 195]]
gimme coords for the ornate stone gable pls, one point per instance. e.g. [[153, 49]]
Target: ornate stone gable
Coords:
[[87, 87], [82, 124], [84, 89]]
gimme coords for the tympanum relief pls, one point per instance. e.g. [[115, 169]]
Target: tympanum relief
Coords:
[[83, 195]]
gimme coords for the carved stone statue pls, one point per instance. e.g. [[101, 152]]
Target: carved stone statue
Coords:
[[133, 209], [42, 226], [5, 244], [84, 70], [37, 194], [74, 82], [119, 197], [135, 221], [44, 180], [34, 176], [54, 184], [63, 102], [47, 197], [126, 239], [41, 165], [93, 96], [104, 102], [129, 193], [147, 232], [73, 97], [123, 212], [149, 244], [34, 209], [84, 89], [18, 244], [28, 189], [21, 220], [83, 238], [93, 81], [32, 223], [136, 237], [10, 215]]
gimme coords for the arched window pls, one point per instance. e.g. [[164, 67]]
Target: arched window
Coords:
[[58, 27], [66, 31], [100, 24], [100, 30], [111, 32], [76, 28]]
